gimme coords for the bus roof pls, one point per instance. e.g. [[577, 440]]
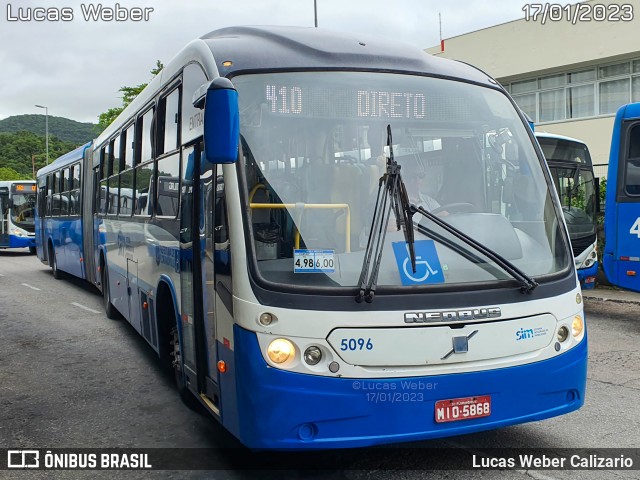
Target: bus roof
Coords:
[[66, 159], [557, 137], [288, 48], [8, 183]]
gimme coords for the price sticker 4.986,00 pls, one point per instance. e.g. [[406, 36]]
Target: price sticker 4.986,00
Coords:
[[313, 261]]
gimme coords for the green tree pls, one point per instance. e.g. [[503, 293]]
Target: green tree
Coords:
[[21, 151], [128, 95], [10, 174]]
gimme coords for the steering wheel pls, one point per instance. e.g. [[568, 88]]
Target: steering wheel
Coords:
[[461, 207]]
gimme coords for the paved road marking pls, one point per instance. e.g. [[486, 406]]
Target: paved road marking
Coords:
[[31, 287], [85, 308]]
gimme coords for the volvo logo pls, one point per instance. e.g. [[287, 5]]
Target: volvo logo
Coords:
[[452, 315], [460, 345]]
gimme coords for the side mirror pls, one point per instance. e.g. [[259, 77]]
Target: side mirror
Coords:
[[219, 99]]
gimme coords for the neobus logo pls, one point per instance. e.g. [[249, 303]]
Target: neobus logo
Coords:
[[452, 316]]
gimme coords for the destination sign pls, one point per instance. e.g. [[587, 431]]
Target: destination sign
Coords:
[[304, 101], [23, 188]]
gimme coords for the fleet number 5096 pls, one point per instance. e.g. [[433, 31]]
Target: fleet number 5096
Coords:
[[356, 344]]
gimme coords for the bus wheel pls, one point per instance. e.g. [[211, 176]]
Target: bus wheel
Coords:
[[53, 261], [176, 363], [109, 309]]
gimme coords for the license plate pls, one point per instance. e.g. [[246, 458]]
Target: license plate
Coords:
[[463, 409]]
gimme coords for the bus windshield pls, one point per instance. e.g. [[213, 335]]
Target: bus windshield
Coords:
[[570, 166], [314, 149], [24, 208]]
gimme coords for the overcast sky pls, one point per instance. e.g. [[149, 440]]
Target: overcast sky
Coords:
[[76, 68]]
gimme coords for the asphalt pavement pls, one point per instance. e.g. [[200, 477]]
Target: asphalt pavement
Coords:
[[606, 293]]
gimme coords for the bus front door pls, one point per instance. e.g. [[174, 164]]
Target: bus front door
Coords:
[[197, 284], [4, 220]]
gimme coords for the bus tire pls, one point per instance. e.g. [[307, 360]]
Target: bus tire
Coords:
[[110, 310], [186, 395], [53, 262]]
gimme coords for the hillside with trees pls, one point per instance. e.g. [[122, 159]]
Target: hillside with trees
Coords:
[[22, 137], [21, 152], [63, 128]]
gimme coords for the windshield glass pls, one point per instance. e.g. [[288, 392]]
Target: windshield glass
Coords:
[[314, 147], [577, 193], [24, 209], [570, 166]]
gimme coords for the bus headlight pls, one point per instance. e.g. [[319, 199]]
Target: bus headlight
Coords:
[[312, 355], [563, 334], [281, 350], [577, 326], [18, 232], [590, 260]]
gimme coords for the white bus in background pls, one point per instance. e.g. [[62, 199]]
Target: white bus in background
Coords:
[[571, 167], [17, 214]]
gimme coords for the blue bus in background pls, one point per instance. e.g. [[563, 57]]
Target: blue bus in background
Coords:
[[58, 226], [17, 214], [571, 168], [622, 208]]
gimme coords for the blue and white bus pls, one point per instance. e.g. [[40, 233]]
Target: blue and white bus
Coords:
[[571, 168], [622, 207], [17, 214], [336, 242], [59, 223]]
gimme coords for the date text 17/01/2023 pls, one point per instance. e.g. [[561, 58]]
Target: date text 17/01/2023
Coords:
[[89, 13], [578, 13]]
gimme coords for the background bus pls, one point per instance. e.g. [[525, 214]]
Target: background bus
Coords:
[[17, 214], [59, 225], [572, 171], [244, 259], [622, 207]]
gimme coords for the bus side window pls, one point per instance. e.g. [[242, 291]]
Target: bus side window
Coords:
[[104, 183], [144, 164], [222, 254], [49, 194], [632, 176]]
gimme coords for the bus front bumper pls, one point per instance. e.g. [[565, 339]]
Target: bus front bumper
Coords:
[[21, 242], [587, 277], [275, 409]]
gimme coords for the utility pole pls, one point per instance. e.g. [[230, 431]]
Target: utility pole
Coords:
[[46, 128], [315, 12]]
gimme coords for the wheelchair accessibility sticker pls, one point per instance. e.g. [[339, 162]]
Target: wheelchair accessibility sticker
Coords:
[[428, 268]]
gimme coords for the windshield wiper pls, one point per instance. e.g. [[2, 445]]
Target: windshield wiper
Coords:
[[392, 195], [528, 284]]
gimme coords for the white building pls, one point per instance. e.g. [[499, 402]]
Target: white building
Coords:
[[569, 76]]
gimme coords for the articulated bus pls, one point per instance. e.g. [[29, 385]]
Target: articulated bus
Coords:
[[17, 214], [335, 242], [572, 171], [622, 206]]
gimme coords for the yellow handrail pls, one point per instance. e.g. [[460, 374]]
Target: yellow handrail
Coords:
[[310, 206]]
